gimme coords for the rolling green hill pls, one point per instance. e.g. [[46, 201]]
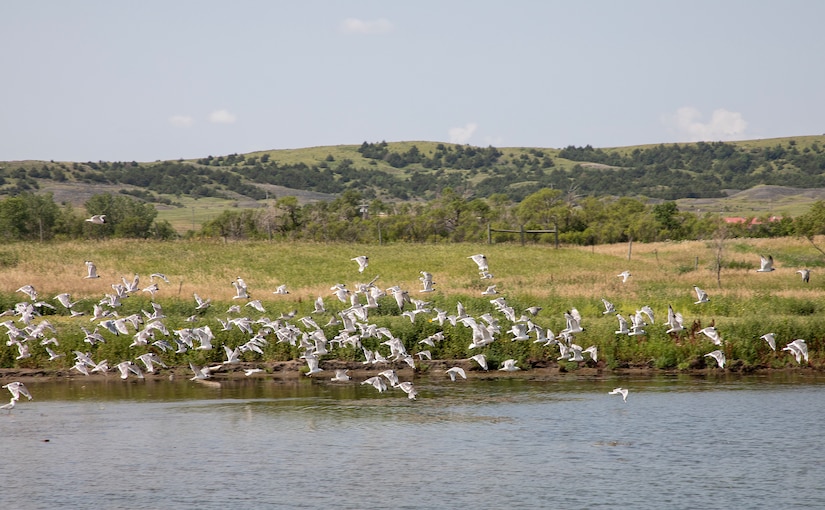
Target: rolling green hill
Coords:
[[789, 174]]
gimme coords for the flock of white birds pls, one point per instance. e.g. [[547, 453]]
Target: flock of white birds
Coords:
[[152, 338]]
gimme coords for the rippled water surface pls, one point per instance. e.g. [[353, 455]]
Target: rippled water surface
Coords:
[[678, 442]]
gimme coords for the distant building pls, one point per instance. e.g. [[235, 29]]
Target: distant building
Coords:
[[738, 220]]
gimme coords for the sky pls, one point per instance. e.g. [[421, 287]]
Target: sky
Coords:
[[85, 80]]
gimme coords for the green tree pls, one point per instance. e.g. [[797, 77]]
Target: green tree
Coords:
[[125, 216], [543, 208], [812, 224], [14, 217], [290, 210]]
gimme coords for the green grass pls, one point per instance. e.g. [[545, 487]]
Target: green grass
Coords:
[[747, 305], [194, 212]]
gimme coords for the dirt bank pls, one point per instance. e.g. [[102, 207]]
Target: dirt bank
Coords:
[[290, 370]]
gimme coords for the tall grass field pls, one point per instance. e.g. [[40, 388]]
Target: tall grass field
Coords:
[[744, 304]]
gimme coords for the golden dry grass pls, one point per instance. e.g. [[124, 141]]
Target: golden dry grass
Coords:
[[663, 272]]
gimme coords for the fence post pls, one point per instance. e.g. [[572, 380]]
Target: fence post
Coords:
[[521, 233], [489, 233]]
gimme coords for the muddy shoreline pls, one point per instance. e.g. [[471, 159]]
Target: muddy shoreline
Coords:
[[291, 370]]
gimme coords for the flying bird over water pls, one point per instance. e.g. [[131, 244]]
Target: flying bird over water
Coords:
[[408, 388], [509, 365], [341, 375], [719, 356], [127, 367], [16, 389], [377, 382], [456, 371], [10, 405], [200, 372], [619, 391], [481, 360]]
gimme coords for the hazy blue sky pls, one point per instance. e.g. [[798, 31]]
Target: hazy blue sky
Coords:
[[146, 80]]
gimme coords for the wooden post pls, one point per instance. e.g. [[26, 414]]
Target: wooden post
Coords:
[[489, 234], [556, 234], [521, 233]]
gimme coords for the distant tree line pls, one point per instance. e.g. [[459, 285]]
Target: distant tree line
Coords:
[[450, 217], [31, 217]]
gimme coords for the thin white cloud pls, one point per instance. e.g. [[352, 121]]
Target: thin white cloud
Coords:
[[462, 135], [723, 125], [182, 121], [222, 117], [355, 26]]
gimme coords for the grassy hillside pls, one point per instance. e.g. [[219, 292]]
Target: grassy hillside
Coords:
[[782, 176]]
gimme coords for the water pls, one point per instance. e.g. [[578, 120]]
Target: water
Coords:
[[678, 442]]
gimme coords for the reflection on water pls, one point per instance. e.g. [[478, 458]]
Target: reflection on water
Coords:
[[678, 442]]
